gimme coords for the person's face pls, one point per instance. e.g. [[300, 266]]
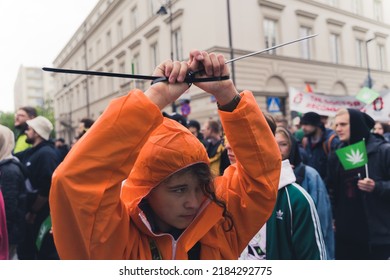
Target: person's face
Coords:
[[206, 130], [230, 153], [176, 201], [80, 128], [193, 130], [295, 128], [20, 118], [308, 129], [284, 146], [58, 144], [378, 128], [342, 127], [31, 135]]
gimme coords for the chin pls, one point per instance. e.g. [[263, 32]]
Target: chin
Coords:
[[182, 226]]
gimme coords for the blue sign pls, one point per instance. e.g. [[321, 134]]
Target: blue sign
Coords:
[[273, 104]]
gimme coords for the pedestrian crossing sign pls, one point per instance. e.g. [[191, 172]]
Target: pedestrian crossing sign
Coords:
[[273, 104]]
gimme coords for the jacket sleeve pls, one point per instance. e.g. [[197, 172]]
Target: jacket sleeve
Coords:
[[324, 209], [87, 214], [48, 162], [307, 238], [250, 186], [382, 184], [10, 180]]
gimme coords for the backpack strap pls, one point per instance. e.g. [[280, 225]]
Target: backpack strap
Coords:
[[304, 142], [328, 145]]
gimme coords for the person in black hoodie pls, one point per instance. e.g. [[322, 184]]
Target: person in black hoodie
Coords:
[[40, 161], [361, 202]]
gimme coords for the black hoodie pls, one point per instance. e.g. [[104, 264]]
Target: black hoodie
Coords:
[[362, 217]]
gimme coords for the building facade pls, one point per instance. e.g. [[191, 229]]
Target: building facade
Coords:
[[131, 37], [32, 87]]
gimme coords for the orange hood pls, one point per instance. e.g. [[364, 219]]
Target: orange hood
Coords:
[[170, 148]]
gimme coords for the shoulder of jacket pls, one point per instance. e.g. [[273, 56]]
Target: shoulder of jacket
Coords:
[[299, 195]]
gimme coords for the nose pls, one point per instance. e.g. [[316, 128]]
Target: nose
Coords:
[[193, 199]]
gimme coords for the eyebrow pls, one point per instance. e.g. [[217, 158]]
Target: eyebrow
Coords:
[[177, 186]]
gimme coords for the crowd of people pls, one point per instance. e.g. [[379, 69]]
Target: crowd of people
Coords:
[[161, 186]]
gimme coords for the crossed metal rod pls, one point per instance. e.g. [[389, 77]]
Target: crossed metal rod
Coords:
[[189, 79]]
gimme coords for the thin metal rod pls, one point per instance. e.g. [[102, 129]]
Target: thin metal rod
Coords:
[[270, 49], [100, 73], [144, 77]]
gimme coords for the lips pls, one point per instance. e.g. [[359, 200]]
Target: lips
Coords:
[[231, 157], [188, 217]]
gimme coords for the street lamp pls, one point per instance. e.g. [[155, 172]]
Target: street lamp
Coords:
[[230, 40], [163, 11], [68, 123], [369, 80]]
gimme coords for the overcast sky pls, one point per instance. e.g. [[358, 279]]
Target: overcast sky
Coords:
[[32, 33]]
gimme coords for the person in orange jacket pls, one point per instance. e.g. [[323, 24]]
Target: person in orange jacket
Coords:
[[170, 206]]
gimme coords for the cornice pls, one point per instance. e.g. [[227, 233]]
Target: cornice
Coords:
[[271, 5], [303, 13], [359, 29], [151, 32], [335, 22]]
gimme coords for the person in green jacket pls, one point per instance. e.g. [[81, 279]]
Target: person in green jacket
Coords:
[[22, 115], [293, 232]]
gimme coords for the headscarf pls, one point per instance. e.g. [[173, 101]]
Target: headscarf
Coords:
[[7, 142]]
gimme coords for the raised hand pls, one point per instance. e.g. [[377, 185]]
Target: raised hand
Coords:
[[164, 93], [212, 65]]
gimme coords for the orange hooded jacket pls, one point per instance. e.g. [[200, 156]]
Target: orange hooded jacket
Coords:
[[94, 218]]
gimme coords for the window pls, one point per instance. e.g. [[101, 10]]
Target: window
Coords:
[[79, 102], [110, 82], [122, 69], [133, 19], [378, 10], [91, 88], [360, 51], [135, 69], [305, 44], [90, 54], [100, 87], [357, 7], [335, 48], [83, 62], [333, 3], [98, 49], [381, 57], [120, 31], [154, 55], [177, 45], [108, 41], [270, 34], [135, 65], [152, 7], [82, 103]]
